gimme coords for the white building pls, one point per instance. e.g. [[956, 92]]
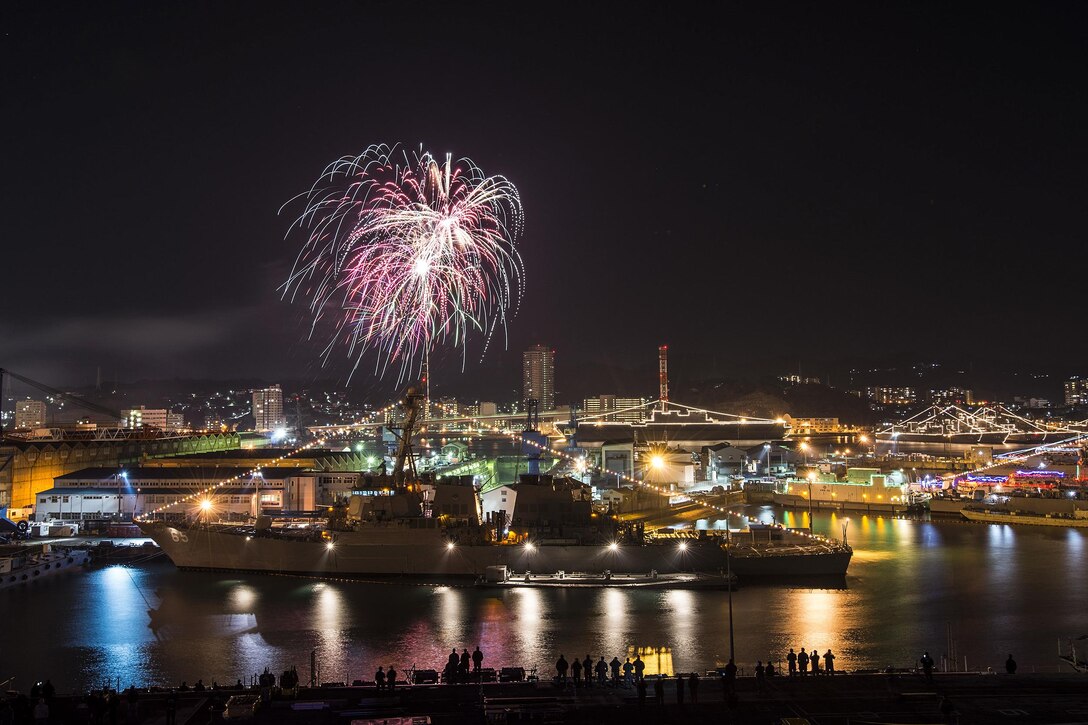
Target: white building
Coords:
[[29, 414], [268, 409], [113, 492], [146, 418]]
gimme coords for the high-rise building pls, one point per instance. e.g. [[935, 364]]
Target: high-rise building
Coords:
[[268, 409], [29, 414], [538, 375], [1076, 391]]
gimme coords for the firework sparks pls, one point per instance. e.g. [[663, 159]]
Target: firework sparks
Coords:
[[404, 253]]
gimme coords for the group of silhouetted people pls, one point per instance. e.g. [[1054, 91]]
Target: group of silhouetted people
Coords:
[[583, 673], [463, 667], [385, 679], [803, 663]]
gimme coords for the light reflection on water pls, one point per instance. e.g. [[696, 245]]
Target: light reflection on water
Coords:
[[910, 582]]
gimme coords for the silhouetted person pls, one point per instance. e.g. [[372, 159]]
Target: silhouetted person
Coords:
[[759, 675], [41, 712], [679, 689], [199, 686], [927, 665], [466, 659], [693, 685], [36, 691], [814, 661], [477, 659], [640, 667], [729, 679], [561, 670], [628, 672], [614, 665], [576, 672], [791, 660], [769, 670], [587, 671], [802, 662], [659, 690], [641, 687], [829, 662], [1010, 666], [114, 702], [454, 662], [945, 707], [184, 687], [379, 679], [391, 678], [133, 698], [601, 668], [48, 690]]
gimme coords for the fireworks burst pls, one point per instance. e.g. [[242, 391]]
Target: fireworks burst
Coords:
[[404, 253]]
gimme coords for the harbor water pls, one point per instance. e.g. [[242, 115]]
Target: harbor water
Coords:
[[980, 591]]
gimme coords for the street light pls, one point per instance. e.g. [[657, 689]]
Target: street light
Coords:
[[767, 450]]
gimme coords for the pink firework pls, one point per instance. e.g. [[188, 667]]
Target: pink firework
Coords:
[[406, 253]]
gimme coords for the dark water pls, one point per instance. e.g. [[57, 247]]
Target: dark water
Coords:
[[1000, 589]]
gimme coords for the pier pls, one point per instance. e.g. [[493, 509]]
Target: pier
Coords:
[[903, 696]]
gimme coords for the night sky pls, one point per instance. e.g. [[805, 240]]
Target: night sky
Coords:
[[756, 185]]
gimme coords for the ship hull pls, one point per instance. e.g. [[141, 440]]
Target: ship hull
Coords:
[[201, 548], [215, 550]]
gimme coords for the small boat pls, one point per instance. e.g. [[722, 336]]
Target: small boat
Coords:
[[1073, 658], [25, 566]]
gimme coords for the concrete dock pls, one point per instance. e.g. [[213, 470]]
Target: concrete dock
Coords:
[[964, 698]]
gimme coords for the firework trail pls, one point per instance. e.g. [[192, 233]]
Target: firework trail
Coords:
[[403, 253]]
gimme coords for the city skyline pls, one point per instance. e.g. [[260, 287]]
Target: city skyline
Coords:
[[824, 175]]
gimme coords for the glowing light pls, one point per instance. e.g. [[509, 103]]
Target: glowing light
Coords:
[[613, 546], [404, 252], [450, 545], [529, 547], [657, 461], [206, 505], [683, 546], [330, 545]]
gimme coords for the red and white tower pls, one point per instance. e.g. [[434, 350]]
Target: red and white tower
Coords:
[[663, 374]]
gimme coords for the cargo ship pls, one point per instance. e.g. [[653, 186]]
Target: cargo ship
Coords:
[[406, 527]]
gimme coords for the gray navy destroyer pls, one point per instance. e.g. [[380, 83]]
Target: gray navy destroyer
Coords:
[[413, 528]]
